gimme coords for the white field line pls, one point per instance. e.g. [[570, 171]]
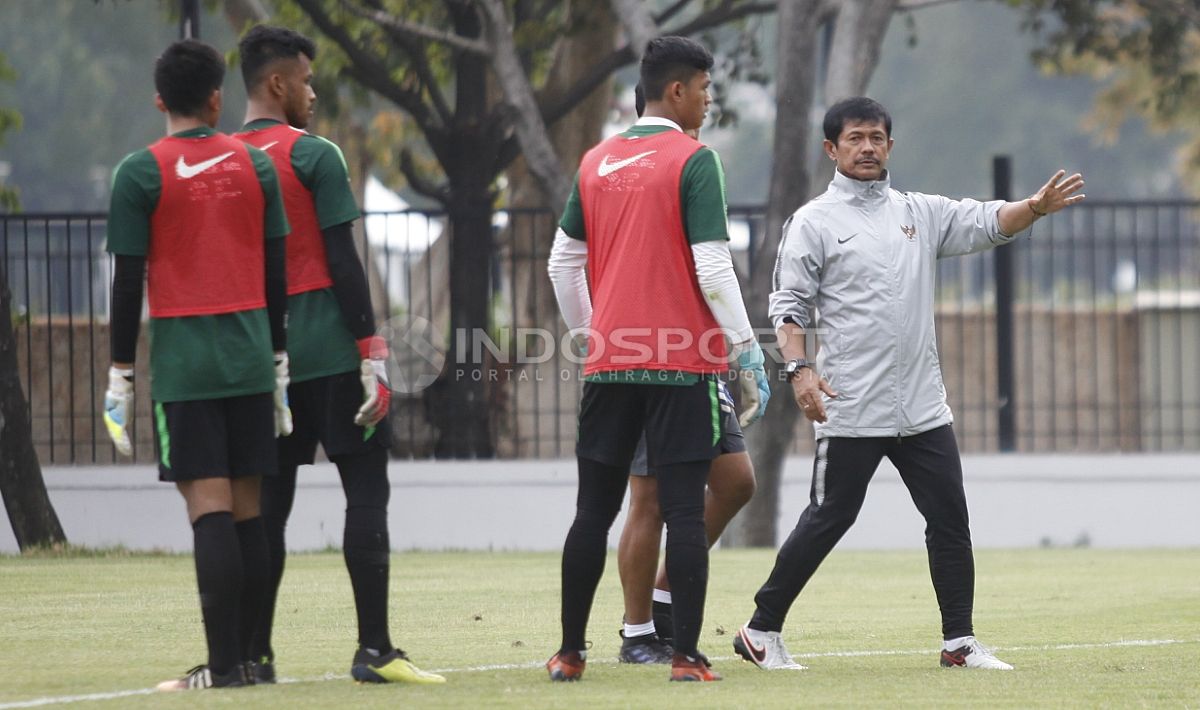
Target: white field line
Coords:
[[67, 699]]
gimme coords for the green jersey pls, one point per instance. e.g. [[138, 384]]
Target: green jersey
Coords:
[[197, 356], [319, 342]]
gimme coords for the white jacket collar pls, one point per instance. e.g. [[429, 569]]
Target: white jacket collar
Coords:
[[866, 191]]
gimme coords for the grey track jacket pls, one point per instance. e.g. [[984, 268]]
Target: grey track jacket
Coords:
[[859, 263]]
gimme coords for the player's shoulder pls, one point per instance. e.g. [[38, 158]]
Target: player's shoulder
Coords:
[[318, 150], [139, 167], [706, 154], [316, 142]]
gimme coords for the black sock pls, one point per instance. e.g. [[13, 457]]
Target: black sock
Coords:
[[278, 493], [681, 500], [365, 544], [664, 622], [219, 579], [256, 577], [601, 490]]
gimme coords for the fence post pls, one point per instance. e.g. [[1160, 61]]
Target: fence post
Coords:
[[189, 19], [1002, 185]]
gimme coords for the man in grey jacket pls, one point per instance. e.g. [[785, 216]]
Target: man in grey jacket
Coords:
[[864, 257]]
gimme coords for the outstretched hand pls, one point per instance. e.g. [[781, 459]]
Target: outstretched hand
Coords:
[[1057, 193]]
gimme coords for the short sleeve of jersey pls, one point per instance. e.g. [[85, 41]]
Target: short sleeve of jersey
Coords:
[[275, 222], [572, 217], [705, 214], [321, 167], [136, 187]]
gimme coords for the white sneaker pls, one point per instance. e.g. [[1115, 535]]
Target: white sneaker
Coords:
[[764, 649], [973, 654]]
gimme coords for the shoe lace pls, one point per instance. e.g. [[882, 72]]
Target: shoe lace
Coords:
[[980, 649]]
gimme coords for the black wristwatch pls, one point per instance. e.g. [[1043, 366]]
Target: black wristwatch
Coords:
[[792, 368]]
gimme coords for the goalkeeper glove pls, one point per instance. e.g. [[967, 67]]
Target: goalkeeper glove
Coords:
[[377, 394], [754, 390], [118, 400], [283, 413]]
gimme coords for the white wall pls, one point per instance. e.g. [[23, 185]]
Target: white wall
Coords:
[[1016, 501]]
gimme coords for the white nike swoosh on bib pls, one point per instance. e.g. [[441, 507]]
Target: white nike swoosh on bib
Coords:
[[607, 167], [268, 145], [185, 171]]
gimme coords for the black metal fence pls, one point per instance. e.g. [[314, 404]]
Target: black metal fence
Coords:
[[1105, 317]]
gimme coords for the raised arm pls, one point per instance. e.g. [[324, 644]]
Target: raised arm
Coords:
[[1058, 193]]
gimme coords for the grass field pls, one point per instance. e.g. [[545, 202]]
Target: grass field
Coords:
[[1085, 628]]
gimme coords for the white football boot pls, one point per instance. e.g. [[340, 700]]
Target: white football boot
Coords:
[[764, 649], [972, 654]]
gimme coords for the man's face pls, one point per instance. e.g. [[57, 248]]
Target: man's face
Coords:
[[694, 101], [298, 97], [861, 151]]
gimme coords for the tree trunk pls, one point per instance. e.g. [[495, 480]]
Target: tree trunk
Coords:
[[522, 105], [770, 439], [854, 43], [858, 35], [461, 407], [33, 519], [571, 137], [531, 234]]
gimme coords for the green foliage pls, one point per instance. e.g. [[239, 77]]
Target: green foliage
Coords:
[[867, 627], [1147, 53], [10, 120]]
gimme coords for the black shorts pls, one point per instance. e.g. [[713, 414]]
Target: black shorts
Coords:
[[231, 437], [323, 412], [681, 423], [732, 441]]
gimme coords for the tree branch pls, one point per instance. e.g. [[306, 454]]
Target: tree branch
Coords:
[[625, 55], [671, 11], [417, 31], [368, 71], [518, 95], [910, 5], [639, 25], [424, 72], [588, 83], [719, 15], [418, 182]]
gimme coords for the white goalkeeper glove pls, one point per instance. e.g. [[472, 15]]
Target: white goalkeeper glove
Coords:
[[377, 394], [754, 390], [283, 412], [118, 401]]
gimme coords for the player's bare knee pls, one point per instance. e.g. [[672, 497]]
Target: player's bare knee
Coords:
[[643, 501], [732, 480]]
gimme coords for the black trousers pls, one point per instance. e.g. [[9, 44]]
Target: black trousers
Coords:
[[930, 467]]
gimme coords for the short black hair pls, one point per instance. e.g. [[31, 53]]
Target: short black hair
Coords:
[[669, 59], [639, 100], [855, 108], [264, 44], [186, 74]]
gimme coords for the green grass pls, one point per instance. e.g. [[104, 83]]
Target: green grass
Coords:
[[74, 625]]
